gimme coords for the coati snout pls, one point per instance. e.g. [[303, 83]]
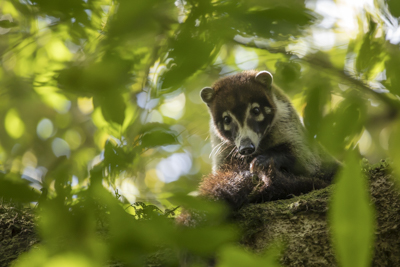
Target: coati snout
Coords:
[[242, 109], [246, 147]]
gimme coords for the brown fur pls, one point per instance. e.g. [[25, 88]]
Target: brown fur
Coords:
[[238, 188]]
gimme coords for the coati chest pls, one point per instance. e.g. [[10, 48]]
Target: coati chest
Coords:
[[251, 118]]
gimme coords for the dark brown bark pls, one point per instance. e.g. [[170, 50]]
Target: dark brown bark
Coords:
[[17, 233], [301, 223]]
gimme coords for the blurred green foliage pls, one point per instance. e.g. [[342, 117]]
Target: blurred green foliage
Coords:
[[100, 109], [352, 216]]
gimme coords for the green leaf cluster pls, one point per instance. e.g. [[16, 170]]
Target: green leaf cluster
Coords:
[[100, 110]]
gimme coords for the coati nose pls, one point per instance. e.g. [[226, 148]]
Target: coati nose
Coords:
[[246, 149]]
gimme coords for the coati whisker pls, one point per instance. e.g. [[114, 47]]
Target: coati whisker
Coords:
[[220, 149], [232, 150], [216, 148], [225, 148]]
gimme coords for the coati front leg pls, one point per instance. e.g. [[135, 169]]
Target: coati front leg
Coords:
[[280, 184]]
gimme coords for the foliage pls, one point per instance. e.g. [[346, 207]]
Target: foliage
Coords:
[[351, 215], [100, 97]]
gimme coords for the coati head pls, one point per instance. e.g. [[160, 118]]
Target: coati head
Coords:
[[242, 108]]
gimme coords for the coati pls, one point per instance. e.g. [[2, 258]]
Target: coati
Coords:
[[260, 150]]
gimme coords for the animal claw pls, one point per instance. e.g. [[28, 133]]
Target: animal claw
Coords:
[[253, 165]]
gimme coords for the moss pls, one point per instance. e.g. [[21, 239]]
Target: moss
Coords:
[[17, 232], [301, 223]]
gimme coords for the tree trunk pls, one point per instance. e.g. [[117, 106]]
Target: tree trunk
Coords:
[[17, 233], [301, 223]]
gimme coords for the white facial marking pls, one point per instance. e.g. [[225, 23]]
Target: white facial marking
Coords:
[[246, 131], [268, 110]]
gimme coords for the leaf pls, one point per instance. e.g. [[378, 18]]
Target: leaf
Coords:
[[342, 127], [152, 126], [318, 96], [392, 67], [157, 134], [7, 24], [190, 50], [17, 190], [215, 213], [112, 106], [371, 56], [106, 77], [233, 256], [206, 240], [116, 158], [394, 7], [64, 10], [351, 216], [287, 71], [41, 257], [277, 22], [150, 15]]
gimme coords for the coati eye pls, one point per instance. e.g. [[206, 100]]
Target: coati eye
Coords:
[[255, 111], [227, 119]]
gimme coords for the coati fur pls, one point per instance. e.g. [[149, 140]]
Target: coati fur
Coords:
[[260, 150]]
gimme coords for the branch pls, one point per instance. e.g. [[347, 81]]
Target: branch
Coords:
[[392, 104], [301, 223]]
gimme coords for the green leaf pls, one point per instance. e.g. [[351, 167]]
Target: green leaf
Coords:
[[7, 24], [106, 78], [341, 128], [392, 70], [116, 158], [318, 96], [112, 106], [17, 189], [192, 49], [158, 138], [206, 240], [371, 56], [277, 22], [394, 7], [233, 256], [352, 216], [41, 257], [287, 71], [154, 126]]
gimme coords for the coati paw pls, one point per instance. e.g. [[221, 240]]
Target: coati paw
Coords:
[[263, 169], [261, 164], [248, 175]]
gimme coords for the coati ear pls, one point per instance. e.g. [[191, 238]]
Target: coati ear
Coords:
[[207, 94], [264, 77]]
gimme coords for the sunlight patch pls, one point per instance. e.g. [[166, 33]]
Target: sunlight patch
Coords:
[[15, 127], [171, 168], [60, 147], [44, 129]]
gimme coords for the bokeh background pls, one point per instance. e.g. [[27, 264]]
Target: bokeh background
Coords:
[[115, 84]]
